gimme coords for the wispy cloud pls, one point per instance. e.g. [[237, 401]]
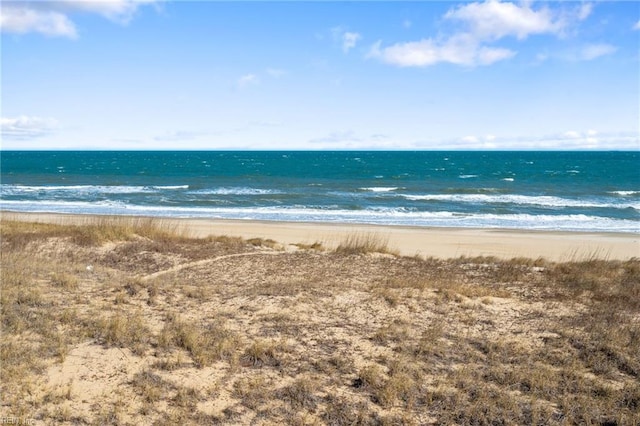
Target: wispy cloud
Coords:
[[569, 140], [247, 80], [637, 26], [349, 139], [264, 123], [461, 49], [478, 142], [120, 11], [584, 11], [276, 72], [52, 18], [25, 127], [347, 39], [571, 134], [337, 137], [179, 136], [480, 26], [596, 50], [252, 79]]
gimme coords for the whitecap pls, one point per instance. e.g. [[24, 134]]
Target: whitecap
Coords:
[[171, 187], [380, 188], [235, 191], [625, 193]]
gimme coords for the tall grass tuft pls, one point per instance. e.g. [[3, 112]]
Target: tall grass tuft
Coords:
[[123, 330], [206, 344], [363, 243]]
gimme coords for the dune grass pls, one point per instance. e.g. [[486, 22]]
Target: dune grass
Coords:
[[363, 243], [308, 337]]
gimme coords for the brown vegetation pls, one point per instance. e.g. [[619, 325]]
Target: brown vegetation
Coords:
[[131, 322]]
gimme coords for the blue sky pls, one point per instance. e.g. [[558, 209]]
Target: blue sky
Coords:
[[148, 74]]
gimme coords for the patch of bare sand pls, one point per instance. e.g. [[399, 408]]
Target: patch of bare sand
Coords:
[[93, 374]]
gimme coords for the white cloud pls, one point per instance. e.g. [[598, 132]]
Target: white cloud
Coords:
[[247, 80], [593, 51], [474, 142], [586, 139], [121, 11], [52, 18], [21, 20], [637, 26], [493, 20], [460, 50], [479, 27], [25, 127]]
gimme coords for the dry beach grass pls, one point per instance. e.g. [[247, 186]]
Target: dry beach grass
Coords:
[[131, 321]]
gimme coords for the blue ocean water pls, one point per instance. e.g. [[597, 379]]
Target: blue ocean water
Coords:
[[582, 191]]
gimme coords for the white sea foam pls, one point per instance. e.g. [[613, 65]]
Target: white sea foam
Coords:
[[87, 189], [79, 189], [467, 176], [543, 200], [508, 179], [386, 216], [126, 189]]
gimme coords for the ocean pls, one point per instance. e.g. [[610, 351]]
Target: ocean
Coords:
[[568, 191]]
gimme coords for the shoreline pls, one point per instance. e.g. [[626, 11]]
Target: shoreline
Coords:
[[443, 243]]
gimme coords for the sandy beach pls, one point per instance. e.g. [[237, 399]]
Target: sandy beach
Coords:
[[441, 243]]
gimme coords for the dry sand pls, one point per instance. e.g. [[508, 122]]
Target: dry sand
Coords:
[[441, 243]]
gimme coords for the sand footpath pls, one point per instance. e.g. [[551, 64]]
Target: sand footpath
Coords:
[[436, 242]]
